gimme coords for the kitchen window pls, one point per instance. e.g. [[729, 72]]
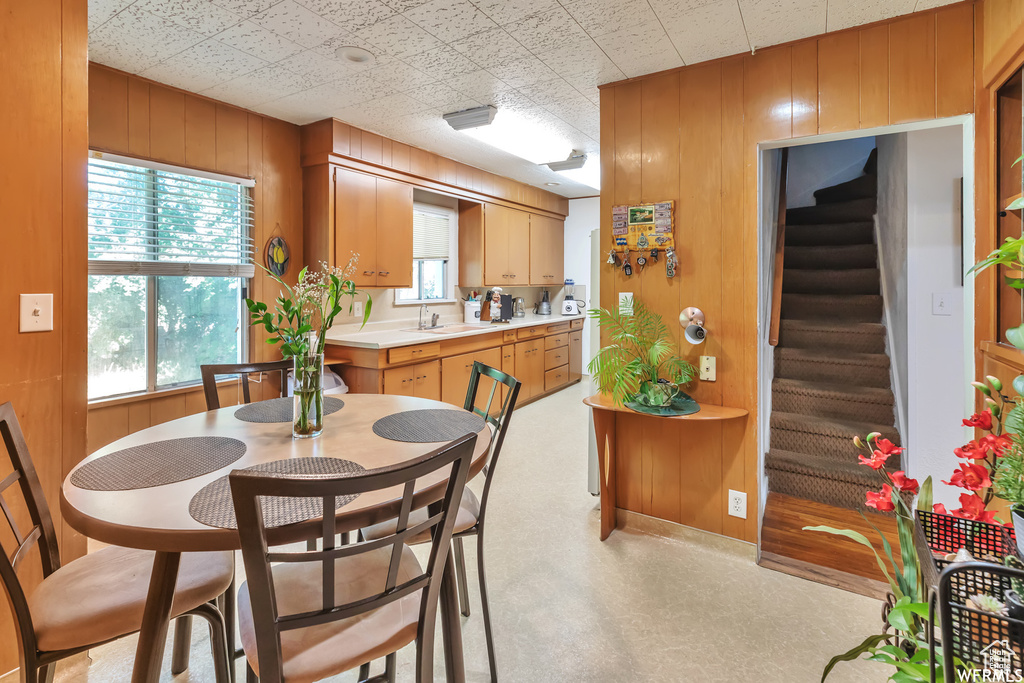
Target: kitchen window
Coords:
[[170, 255], [433, 237]]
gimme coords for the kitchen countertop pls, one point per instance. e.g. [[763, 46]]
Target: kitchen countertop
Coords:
[[388, 339]]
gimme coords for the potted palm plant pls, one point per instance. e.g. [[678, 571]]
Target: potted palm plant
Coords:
[[640, 368]]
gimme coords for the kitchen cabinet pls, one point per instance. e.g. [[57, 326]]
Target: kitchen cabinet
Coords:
[[422, 380], [575, 355], [373, 218], [530, 367], [455, 374], [508, 364], [547, 251], [495, 246]]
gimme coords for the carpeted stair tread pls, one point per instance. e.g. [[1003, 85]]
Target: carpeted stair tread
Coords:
[[830, 400], [825, 437], [842, 484], [828, 234], [850, 281], [833, 256], [855, 210], [849, 471], [862, 187], [852, 308], [825, 365], [836, 335]]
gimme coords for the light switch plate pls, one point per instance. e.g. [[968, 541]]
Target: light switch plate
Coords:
[[357, 309], [707, 368], [942, 303], [36, 313]]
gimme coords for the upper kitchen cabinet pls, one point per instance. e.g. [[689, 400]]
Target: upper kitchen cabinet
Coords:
[[547, 251], [369, 216]]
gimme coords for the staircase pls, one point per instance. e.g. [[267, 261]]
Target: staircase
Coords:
[[832, 379]]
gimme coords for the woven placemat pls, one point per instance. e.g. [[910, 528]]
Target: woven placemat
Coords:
[[280, 409], [212, 505], [428, 426], [158, 463]]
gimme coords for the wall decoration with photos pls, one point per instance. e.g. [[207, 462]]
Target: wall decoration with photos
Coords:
[[643, 230]]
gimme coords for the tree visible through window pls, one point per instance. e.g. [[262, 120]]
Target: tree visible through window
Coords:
[[169, 258], [432, 228]]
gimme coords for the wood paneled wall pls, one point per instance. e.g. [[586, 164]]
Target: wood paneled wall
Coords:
[[139, 118], [691, 135], [43, 119]]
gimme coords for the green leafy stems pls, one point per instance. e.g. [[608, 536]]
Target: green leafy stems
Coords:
[[641, 350]]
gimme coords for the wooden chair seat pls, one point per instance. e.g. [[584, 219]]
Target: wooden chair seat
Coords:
[[317, 652], [102, 596], [469, 513]]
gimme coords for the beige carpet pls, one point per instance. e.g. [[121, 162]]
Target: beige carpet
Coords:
[[636, 608]]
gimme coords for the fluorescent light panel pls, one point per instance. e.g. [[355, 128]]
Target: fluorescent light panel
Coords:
[[589, 175], [516, 134]]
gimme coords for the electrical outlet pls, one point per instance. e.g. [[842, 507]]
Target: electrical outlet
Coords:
[[707, 368], [357, 309], [738, 504]]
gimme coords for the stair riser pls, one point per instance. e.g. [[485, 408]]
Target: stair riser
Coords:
[[828, 491], [820, 235], [843, 212], [796, 281], [799, 307], [856, 256], [833, 373], [828, 447], [863, 187], [830, 406], [840, 341]]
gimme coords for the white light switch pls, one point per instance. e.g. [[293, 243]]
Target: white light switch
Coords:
[[707, 368], [942, 303], [36, 312]]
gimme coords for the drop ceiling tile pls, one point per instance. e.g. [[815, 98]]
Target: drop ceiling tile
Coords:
[[102, 11], [480, 85], [160, 39], [202, 16], [770, 22], [847, 13], [363, 88], [329, 49], [259, 42], [931, 4], [400, 76], [263, 85], [296, 23], [577, 111], [443, 97], [203, 66], [399, 37], [548, 92], [508, 11], [598, 17], [315, 67], [442, 63], [491, 48], [574, 57], [351, 16], [245, 8], [707, 32], [523, 72], [404, 5], [450, 20], [640, 50], [547, 30]]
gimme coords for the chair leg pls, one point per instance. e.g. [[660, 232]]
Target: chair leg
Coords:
[[44, 674], [218, 641], [228, 610], [364, 671], [390, 664], [485, 606], [182, 644], [460, 575], [250, 675]]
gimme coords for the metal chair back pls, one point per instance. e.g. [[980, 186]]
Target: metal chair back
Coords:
[[210, 373]]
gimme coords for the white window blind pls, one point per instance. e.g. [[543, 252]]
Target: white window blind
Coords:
[[155, 220], [431, 232]]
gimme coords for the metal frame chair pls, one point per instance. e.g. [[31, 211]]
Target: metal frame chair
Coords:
[[248, 487], [38, 665], [243, 370]]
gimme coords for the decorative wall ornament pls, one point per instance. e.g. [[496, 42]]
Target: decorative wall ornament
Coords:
[[278, 255]]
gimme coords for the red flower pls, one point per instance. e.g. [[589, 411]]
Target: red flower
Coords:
[[970, 476], [971, 451], [903, 482], [981, 420], [885, 446], [973, 507], [996, 444], [881, 501], [876, 461], [939, 509]]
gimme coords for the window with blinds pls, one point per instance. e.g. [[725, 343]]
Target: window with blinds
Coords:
[[170, 251], [433, 228]]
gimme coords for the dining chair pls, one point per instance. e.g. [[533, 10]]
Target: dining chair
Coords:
[[210, 373], [97, 598], [305, 615], [472, 511]]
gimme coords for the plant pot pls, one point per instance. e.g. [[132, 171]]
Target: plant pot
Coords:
[[1017, 514], [1014, 605], [656, 394], [308, 399]]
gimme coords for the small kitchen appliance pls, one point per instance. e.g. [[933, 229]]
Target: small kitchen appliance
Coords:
[[544, 305], [571, 307], [472, 312], [519, 307]]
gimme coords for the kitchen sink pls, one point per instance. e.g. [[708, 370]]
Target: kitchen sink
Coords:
[[447, 329]]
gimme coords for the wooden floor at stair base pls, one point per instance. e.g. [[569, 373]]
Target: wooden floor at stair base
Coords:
[[818, 556]]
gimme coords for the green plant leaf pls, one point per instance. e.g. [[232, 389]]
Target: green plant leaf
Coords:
[[924, 496], [1015, 335], [863, 540], [1017, 203], [854, 653], [1013, 422]]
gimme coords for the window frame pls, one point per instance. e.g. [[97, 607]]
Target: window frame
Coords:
[[109, 269], [451, 265]]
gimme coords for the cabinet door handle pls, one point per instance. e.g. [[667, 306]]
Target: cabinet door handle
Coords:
[[469, 365], [505, 276], [385, 273], [368, 272], [512, 276]]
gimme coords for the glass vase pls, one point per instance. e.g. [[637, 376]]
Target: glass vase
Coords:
[[308, 399]]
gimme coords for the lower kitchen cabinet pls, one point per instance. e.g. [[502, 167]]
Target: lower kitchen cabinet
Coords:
[[530, 367], [575, 355], [455, 374], [422, 380]]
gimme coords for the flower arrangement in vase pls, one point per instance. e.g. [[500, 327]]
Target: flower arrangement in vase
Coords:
[[299, 322]]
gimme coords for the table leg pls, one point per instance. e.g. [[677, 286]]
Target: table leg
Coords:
[[451, 626], [150, 650], [604, 429]]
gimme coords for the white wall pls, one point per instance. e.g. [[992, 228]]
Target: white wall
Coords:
[[937, 397], [812, 167], [891, 236], [584, 217]]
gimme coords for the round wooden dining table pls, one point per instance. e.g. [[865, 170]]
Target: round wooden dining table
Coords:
[[157, 518]]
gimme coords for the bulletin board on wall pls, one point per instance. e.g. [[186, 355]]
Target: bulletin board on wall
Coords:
[[642, 227]]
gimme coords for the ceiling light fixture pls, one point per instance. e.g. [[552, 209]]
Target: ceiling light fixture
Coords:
[[552, 184], [588, 174], [351, 53], [576, 160], [525, 137], [471, 118]]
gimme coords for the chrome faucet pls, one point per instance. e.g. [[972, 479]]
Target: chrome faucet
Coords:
[[423, 323]]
